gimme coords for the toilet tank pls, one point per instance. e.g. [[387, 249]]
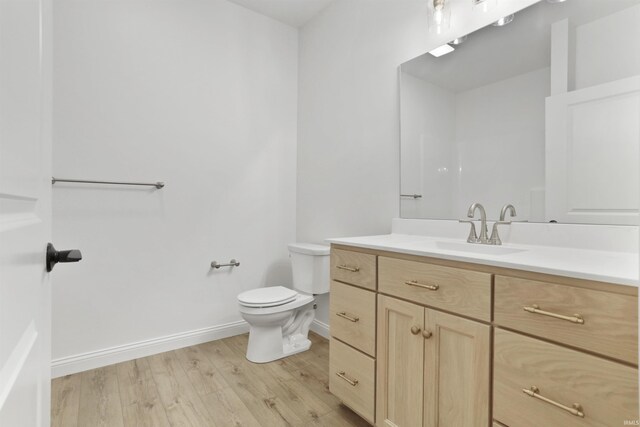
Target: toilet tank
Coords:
[[310, 264]]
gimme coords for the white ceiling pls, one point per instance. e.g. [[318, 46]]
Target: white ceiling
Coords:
[[495, 53], [291, 12]]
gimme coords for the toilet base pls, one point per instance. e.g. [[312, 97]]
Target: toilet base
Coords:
[[267, 345], [278, 339]]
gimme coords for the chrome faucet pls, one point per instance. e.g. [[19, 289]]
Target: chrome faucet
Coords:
[[483, 223], [495, 238], [505, 208]]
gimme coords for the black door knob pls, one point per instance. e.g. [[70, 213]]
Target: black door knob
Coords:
[[54, 256]]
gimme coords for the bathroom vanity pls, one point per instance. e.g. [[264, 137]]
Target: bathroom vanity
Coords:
[[430, 327], [419, 337]]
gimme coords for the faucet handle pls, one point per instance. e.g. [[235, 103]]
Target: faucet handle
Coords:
[[495, 237], [473, 236]]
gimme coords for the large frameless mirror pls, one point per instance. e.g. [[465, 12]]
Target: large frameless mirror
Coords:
[[540, 110]]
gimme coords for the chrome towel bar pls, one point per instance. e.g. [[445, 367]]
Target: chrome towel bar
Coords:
[[232, 263], [413, 196], [158, 185]]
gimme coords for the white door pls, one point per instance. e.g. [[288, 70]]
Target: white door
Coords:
[[592, 145], [25, 212]]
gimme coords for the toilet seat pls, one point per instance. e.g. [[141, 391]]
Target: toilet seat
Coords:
[[267, 297], [298, 301]]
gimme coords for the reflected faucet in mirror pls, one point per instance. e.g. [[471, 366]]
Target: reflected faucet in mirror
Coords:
[[495, 237]]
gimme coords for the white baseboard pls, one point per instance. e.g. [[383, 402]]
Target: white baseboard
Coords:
[[108, 356], [320, 328]]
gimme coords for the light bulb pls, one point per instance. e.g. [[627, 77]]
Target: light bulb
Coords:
[[438, 16]]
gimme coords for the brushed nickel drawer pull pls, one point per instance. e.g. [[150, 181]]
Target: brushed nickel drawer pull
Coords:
[[344, 315], [343, 375], [346, 267], [576, 408], [535, 309], [421, 285]]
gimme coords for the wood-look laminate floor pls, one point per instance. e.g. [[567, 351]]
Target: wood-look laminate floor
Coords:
[[210, 385]]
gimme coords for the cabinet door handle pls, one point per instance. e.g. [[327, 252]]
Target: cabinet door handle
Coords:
[[534, 392], [344, 315], [415, 330], [343, 375], [415, 283], [346, 267], [535, 309], [427, 334]]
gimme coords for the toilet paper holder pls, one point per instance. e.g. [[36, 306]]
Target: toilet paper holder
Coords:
[[232, 263]]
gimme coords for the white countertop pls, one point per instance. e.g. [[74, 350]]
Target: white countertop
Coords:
[[604, 266]]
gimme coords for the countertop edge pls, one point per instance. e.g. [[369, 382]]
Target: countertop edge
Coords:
[[494, 263]]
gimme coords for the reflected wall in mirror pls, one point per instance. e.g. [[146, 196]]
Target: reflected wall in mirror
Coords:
[[542, 113]]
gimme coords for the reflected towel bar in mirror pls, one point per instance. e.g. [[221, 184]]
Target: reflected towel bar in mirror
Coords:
[[413, 196], [158, 185]]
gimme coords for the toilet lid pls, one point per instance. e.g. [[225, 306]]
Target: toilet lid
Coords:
[[267, 297]]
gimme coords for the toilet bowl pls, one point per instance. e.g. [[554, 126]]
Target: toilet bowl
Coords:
[[279, 317]]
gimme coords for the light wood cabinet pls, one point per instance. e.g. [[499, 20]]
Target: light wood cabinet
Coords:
[[456, 371], [433, 367], [453, 289], [400, 354], [352, 378], [602, 322], [572, 389], [353, 316], [440, 343], [354, 268]]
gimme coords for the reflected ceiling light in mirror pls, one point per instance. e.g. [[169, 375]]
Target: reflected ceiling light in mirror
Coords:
[[556, 1], [458, 41], [441, 50], [504, 21], [439, 12]]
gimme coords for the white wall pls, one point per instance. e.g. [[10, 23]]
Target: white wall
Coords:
[[500, 138], [348, 131], [607, 48], [201, 94], [449, 140], [427, 153]]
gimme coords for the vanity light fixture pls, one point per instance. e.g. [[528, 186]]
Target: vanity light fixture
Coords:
[[483, 5], [556, 1], [439, 16], [441, 50], [458, 41], [504, 20]]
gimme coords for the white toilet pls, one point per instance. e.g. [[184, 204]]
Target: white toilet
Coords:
[[280, 317]]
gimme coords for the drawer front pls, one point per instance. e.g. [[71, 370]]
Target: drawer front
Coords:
[[352, 378], [354, 267], [353, 316], [460, 291], [606, 392], [601, 322]]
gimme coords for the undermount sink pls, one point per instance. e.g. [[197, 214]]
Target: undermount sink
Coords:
[[477, 248]]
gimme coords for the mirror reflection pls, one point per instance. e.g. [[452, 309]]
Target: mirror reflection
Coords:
[[541, 111]]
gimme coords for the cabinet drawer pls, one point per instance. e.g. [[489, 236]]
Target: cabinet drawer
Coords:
[[598, 321], [352, 378], [461, 291], [606, 391], [353, 316], [354, 267]]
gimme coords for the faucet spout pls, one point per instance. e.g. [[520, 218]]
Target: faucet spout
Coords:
[[503, 212], [483, 221]]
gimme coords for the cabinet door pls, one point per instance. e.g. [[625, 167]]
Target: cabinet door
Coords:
[[456, 371], [400, 363]]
